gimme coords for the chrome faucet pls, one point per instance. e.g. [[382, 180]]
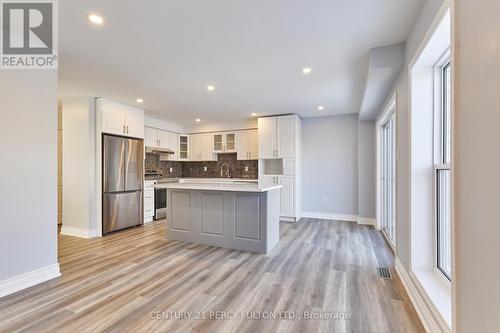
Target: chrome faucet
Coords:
[[228, 174]]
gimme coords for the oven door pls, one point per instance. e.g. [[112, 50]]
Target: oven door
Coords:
[[160, 203]]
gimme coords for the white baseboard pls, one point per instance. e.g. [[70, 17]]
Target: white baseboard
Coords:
[[29, 279], [288, 219], [329, 216], [367, 221], [341, 217], [425, 311], [78, 232]]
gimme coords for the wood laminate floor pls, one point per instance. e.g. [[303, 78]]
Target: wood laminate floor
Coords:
[[136, 280]]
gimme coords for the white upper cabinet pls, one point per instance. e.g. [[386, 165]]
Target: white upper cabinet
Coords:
[[134, 122], [254, 145], [224, 142], [151, 137], [201, 147], [207, 147], [163, 139], [267, 137], [121, 119], [156, 138], [173, 145], [247, 145], [286, 136], [195, 147], [277, 137]]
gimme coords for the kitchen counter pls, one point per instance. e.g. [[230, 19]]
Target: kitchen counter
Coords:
[[225, 187], [233, 215], [201, 180]]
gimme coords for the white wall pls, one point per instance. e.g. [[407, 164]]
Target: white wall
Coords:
[[476, 165], [366, 169], [78, 167], [330, 165], [162, 124], [28, 176]]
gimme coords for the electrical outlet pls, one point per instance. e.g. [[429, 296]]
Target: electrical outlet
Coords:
[[205, 168], [246, 169], [171, 170]]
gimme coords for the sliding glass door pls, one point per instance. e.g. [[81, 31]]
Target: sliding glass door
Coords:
[[388, 177]]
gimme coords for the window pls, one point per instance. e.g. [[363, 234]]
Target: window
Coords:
[[388, 177], [442, 174]]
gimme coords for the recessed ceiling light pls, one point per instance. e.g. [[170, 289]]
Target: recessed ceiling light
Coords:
[[139, 100], [198, 120], [254, 114], [321, 108], [306, 70], [210, 88], [96, 19]]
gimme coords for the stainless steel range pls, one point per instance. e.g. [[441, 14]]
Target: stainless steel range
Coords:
[[161, 198]]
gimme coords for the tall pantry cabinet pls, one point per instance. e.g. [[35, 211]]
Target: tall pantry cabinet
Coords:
[[280, 159]]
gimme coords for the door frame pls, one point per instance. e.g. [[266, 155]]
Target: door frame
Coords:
[[389, 111]]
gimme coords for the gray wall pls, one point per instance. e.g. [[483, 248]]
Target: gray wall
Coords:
[[366, 169], [78, 163], [28, 171], [330, 165], [476, 164]]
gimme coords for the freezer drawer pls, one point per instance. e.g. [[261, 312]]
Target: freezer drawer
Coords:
[[121, 210]]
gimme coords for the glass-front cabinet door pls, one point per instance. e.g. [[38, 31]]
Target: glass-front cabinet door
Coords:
[[230, 142], [224, 142], [218, 144], [183, 147]]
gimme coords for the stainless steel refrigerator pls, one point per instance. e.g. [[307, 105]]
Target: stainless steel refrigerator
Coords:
[[122, 183]]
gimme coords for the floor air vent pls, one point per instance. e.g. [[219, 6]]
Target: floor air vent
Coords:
[[384, 273]]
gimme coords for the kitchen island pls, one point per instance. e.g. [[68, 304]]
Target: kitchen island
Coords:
[[241, 216]]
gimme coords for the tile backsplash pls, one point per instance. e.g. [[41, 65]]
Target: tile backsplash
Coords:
[[197, 169]]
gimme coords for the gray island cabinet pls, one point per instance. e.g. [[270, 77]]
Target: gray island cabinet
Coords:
[[236, 216]]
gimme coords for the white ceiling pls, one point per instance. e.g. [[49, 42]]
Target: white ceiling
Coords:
[[253, 52]]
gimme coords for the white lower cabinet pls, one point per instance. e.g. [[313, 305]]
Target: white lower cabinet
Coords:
[[287, 192], [266, 181], [287, 196], [149, 201]]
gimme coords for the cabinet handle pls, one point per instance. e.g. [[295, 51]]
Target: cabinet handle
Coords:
[[127, 129], [124, 128]]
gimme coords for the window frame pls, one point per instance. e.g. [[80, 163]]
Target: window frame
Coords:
[[441, 161]]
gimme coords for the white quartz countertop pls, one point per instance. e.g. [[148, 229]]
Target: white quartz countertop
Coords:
[[213, 186]]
